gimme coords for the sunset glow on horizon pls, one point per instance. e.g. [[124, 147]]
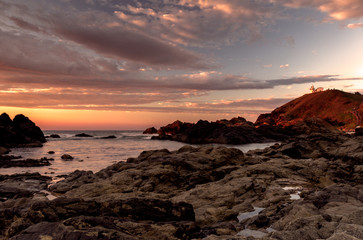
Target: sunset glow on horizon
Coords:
[[117, 65]]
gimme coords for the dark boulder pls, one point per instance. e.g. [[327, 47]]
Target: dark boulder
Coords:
[[151, 130], [359, 132], [5, 120], [54, 136], [109, 137], [67, 157], [83, 135], [28, 128], [21, 132]]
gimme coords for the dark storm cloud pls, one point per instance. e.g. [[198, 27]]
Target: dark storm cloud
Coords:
[[132, 45], [25, 25]]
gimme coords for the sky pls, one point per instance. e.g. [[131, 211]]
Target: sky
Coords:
[[132, 64]]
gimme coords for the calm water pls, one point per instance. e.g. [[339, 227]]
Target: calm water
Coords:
[[95, 153]]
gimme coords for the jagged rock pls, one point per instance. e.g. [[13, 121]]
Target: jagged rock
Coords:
[[73, 180], [19, 132], [78, 212], [325, 214], [174, 128], [235, 131], [313, 194], [28, 128], [151, 130], [22, 185]]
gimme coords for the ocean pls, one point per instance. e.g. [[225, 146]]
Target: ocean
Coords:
[[96, 153]]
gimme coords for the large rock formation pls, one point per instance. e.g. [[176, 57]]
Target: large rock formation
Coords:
[[151, 130], [20, 131], [321, 112], [234, 131], [341, 109], [309, 187]]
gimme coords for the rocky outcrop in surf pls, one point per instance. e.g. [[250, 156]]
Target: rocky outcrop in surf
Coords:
[[234, 131], [19, 132]]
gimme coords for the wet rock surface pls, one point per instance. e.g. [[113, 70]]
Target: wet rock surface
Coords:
[[7, 161], [309, 187], [22, 185]]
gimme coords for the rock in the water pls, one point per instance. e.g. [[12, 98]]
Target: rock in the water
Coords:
[[28, 128], [14, 161], [235, 131], [19, 132], [151, 130], [67, 157], [51, 152], [54, 136], [83, 135], [109, 137]]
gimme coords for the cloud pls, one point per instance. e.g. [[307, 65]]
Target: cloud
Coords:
[[355, 25], [97, 31], [131, 45], [77, 100], [25, 25], [260, 104], [290, 40], [285, 65], [202, 23], [336, 9], [267, 66]]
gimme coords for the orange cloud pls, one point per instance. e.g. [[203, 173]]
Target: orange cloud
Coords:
[[355, 25]]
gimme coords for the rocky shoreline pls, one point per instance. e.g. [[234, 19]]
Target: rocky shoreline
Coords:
[[308, 187], [308, 113]]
